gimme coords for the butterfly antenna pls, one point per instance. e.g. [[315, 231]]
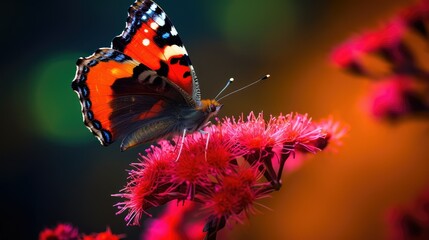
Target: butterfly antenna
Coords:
[[226, 85], [242, 88]]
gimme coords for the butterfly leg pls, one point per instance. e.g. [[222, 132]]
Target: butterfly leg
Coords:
[[207, 143], [181, 144]]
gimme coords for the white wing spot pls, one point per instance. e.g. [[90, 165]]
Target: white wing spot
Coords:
[[173, 51], [146, 42], [153, 7], [159, 20], [153, 25], [145, 30], [173, 31]]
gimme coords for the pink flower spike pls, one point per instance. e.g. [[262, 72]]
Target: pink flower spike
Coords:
[[107, 235], [388, 98], [179, 220], [251, 134], [348, 55], [234, 197], [417, 12], [60, 232], [387, 40], [147, 181], [301, 133], [411, 221], [226, 169], [334, 132]]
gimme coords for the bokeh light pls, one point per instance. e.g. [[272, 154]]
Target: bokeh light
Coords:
[[54, 104], [248, 26]]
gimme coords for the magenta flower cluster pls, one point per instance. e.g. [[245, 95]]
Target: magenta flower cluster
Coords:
[[65, 231], [395, 55], [225, 170], [410, 221]]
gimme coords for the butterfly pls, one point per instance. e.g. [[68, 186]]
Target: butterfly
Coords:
[[144, 87]]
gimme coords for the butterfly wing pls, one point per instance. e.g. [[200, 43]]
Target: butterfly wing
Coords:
[[119, 95], [151, 38]]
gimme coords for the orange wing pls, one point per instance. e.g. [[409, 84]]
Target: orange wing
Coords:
[[119, 95], [150, 38]]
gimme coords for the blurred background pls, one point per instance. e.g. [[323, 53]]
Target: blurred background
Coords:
[[53, 170]]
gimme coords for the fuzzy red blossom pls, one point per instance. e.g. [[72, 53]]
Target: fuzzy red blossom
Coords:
[[178, 221], [392, 44], [301, 133], [60, 232], [226, 169], [107, 235], [410, 221], [386, 41], [252, 132], [148, 183], [221, 151], [387, 98], [394, 98], [189, 172], [234, 197], [273, 140], [416, 17], [68, 232], [235, 194], [334, 132]]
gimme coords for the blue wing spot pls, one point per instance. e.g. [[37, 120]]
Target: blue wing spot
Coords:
[[96, 124], [87, 104], [165, 35], [82, 78], [120, 58], [85, 91], [90, 115], [92, 63], [107, 137], [108, 54]]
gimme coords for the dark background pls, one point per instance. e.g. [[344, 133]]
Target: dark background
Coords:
[[53, 170]]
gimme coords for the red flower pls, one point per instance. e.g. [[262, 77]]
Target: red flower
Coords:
[[386, 41], [411, 221], [60, 232], [334, 132], [148, 183], [301, 133], [68, 232], [395, 98], [107, 235], [236, 194], [221, 169], [331, 135], [178, 221], [415, 16], [392, 43]]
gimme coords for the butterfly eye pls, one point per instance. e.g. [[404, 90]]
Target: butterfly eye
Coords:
[[212, 108]]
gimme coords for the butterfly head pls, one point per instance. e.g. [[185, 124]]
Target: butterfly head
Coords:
[[210, 107]]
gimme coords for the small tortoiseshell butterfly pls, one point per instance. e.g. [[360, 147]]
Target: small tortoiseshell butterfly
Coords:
[[144, 87]]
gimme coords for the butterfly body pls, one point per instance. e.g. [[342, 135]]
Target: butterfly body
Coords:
[[144, 87]]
